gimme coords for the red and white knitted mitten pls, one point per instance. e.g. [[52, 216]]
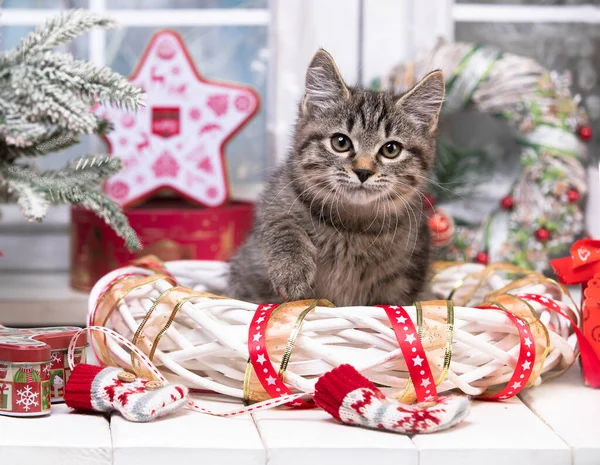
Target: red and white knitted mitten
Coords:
[[352, 399], [98, 389]]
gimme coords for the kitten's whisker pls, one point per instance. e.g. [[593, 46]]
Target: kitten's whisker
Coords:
[[314, 186], [389, 196], [284, 187], [311, 204], [382, 223], [435, 183], [410, 212], [322, 214], [374, 217], [335, 198]]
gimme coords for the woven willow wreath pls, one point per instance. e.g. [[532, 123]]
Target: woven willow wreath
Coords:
[[542, 215], [523, 333]]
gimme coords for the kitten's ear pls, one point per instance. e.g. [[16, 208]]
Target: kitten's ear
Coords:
[[424, 101], [324, 84]]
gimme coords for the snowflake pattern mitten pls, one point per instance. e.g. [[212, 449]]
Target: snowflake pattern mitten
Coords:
[[99, 389], [351, 398]]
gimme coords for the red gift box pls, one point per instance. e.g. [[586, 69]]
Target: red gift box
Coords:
[[168, 229]]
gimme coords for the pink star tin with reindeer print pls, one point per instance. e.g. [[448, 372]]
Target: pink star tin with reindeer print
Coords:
[[34, 368], [176, 141]]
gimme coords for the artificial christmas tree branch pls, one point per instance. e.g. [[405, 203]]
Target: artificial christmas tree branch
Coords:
[[46, 102], [57, 31]]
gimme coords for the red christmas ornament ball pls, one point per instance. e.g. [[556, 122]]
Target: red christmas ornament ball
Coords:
[[585, 133], [542, 234], [573, 195], [482, 258], [507, 202]]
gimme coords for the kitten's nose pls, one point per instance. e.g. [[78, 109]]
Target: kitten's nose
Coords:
[[362, 174]]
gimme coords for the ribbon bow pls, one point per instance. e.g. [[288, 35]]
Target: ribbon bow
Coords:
[[583, 267]]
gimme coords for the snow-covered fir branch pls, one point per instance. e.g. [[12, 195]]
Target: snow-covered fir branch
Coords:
[[46, 102]]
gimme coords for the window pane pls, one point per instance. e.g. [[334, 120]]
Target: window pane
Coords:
[[54, 4], [533, 2], [187, 4], [234, 54]]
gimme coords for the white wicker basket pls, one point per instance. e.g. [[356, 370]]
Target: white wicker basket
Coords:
[[205, 346]]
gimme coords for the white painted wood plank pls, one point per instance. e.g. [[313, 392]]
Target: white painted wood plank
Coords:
[[395, 32], [298, 29], [40, 251], [432, 20], [12, 218], [159, 17], [189, 437], [387, 37], [37, 299], [301, 437], [495, 434], [526, 13], [572, 411], [62, 438]]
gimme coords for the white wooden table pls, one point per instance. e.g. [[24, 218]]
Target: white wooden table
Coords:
[[554, 424]]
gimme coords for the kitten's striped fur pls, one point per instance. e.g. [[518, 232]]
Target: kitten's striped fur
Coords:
[[319, 231]]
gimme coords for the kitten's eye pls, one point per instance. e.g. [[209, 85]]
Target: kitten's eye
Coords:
[[340, 143], [390, 149]]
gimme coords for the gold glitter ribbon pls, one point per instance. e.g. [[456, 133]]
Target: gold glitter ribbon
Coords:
[[431, 339], [173, 299], [287, 353], [284, 324], [521, 308], [110, 300]]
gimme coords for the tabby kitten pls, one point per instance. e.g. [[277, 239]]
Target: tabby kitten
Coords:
[[342, 218]]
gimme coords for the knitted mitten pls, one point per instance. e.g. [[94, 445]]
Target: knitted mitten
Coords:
[[99, 389], [351, 398]]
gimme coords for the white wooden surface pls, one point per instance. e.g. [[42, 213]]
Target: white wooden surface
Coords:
[[557, 424], [495, 434], [189, 438], [312, 437], [572, 412], [62, 438]]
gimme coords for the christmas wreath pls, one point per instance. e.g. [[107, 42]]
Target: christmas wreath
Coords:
[[541, 215]]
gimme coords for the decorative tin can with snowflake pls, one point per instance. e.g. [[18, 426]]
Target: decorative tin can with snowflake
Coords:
[[34, 368]]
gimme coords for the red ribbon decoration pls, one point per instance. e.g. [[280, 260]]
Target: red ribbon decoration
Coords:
[[589, 359], [413, 353], [581, 266], [260, 360], [525, 362]]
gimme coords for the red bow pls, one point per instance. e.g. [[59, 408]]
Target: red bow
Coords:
[[581, 266]]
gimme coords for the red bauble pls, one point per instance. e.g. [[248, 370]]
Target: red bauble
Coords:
[[542, 234], [573, 195], [585, 133], [482, 257], [441, 227], [507, 202]]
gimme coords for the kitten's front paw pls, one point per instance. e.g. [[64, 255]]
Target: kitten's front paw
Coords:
[[294, 281]]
